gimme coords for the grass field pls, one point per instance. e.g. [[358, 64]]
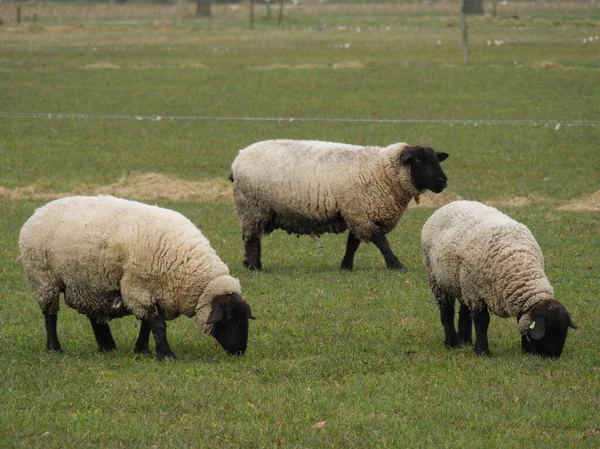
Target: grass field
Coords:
[[335, 359]]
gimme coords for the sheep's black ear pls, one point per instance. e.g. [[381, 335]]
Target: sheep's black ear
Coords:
[[406, 155], [216, 315], [442, 156], [571, 324], [537, 328]]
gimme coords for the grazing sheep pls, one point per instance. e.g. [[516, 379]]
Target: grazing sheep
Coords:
[[112, 257], [312, 187], [487, 260]]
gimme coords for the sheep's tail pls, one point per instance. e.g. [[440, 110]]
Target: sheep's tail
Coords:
[[231, 177]]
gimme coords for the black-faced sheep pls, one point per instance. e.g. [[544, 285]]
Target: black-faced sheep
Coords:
[[112, 257], [487, 261], [313, 187]]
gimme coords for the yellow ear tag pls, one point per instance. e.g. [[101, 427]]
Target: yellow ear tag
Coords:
[[417, 199], [532, 325]]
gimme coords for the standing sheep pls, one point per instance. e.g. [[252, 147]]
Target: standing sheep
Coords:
[[312, 187], [487, 260], [112, 257]]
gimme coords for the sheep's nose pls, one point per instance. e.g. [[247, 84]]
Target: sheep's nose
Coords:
[[442, 180]]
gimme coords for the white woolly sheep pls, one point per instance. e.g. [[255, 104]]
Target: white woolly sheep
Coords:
[[486, 260], [112, 257], [313, 187]]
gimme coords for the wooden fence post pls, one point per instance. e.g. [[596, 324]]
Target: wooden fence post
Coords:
[[465, 40], [280, 15]]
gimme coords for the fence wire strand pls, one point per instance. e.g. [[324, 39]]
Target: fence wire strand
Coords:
[[154, 118]]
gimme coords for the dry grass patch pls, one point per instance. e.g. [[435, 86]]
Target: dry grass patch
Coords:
[[146, 186], [100, 65], [589, 203], [547, 65], [192, 65], [311, 66], [348, 65], [515, 201], [151, 186]]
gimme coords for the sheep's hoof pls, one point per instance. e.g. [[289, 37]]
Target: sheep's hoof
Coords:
[[166, 356], [107, 348], [481, 351], [345, 266], [145, 350], [464, 341], [252, 266], [56, 350], [397, 267], [450, 343]]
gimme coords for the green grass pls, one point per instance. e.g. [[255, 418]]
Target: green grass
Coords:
[[361, 351]]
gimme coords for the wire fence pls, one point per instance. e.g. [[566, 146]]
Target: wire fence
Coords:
[[155, 118]]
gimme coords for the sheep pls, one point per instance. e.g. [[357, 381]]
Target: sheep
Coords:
[[488, 261], [112, 257], [313, 187]]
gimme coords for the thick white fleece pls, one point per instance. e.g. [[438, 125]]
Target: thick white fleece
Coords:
[[307, 183], [479, 255], [109, 254]]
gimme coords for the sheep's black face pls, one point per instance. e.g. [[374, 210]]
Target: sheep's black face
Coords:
[[548, 331], [425, 169], [230, 316]]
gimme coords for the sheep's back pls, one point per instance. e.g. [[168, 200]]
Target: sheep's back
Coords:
[[91, 244], [300, 178], [485, 255]]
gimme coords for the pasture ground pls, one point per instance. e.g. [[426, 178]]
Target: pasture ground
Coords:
[[335, 359]]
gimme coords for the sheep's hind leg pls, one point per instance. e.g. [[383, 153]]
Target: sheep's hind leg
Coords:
[[481, 320], [446, 305], [158, 325], [141, 345], [465, 326], [104, 338], [351, 247], [391, 260], [252, 248], [52, 342]]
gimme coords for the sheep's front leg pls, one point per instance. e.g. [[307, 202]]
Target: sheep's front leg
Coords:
[[52, 342], [351, 247], [481, 320], [158, 325], [465, 326], [252, 247], [104, 338], [391, 260], [141, 345]]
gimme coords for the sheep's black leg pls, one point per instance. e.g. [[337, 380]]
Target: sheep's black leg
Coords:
[[465, 326], [391, 260], [447, 316], [141, 345], [158, 325], [104, 338], [51, 336], [252, 247], [351, 247], [481, 320]]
